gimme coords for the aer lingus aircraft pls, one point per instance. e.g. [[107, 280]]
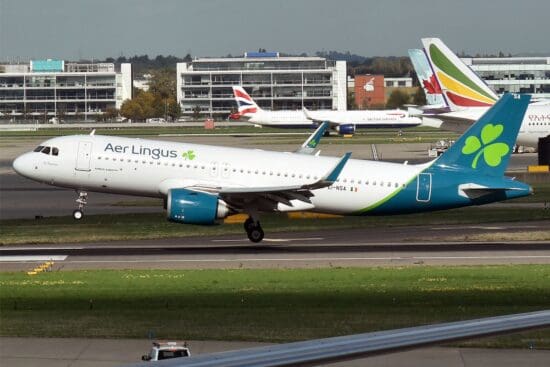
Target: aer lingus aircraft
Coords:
[[202, 183]]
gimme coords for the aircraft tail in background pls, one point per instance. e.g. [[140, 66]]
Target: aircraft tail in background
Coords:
[[245, 103], [427, 79], [461, 86]]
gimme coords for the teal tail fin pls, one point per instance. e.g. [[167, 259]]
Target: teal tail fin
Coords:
[[486, 146]]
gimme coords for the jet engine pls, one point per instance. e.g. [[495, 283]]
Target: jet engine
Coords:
[[192, 207], [347, 129]]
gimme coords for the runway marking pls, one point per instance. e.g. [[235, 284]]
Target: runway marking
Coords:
[[34, 248], [276, 239], [32, 258], [381, 258]]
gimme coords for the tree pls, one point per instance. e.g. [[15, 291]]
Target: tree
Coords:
[[419, 98], [197, 112], [397, 99], [110, 113]]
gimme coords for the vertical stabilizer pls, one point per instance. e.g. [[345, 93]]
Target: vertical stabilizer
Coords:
[[246, 104], [427, 79], [486, 146], [461, 86]]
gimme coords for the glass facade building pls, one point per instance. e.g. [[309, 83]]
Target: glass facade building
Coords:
[[54, 88], [514, 74], [275, 83]]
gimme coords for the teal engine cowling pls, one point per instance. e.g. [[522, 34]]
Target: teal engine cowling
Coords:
[[192, 207]]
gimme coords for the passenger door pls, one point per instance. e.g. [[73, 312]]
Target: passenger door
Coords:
[[83, 156], [424, 187]]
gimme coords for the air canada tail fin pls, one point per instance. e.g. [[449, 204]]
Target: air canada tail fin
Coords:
[[486, 146], [427, 79], [244, 101], [461, 86]]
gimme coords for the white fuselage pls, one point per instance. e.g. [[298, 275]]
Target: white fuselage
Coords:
[[365, 119], [151, 168], [535, 124]]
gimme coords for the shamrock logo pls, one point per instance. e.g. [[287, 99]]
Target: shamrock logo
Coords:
[[492, 152], [190, 155]]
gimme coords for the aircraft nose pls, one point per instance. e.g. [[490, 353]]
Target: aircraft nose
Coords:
[[22, 165]]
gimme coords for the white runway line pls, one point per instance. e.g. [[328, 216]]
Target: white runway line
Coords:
[[32, 258]]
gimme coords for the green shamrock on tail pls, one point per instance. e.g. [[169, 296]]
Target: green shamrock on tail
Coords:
[[492, 152], [190, 155]]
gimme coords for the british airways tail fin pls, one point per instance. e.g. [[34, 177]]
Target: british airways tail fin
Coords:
[[461, 86], [245, 103], [427, 79], [486, 146]]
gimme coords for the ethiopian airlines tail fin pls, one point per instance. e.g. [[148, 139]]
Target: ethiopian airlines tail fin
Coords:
[[461, 86], [427, 79], [486, 146], [246, 104]]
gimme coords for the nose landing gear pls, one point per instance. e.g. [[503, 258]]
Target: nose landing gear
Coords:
[[253, 230], [81, 201]]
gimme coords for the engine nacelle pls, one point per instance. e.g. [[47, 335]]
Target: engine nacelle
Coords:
[[191, 207], [347, 129]]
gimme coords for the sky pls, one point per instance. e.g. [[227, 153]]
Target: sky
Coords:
[[96, 29]]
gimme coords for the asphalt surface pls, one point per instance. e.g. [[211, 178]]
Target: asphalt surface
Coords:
[[397, 246]]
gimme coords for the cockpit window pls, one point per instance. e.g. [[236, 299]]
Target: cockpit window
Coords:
[[46, 150], [55, 151], [38, 148]]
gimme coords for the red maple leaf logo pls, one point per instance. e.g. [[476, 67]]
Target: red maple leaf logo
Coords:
[[432, 86]]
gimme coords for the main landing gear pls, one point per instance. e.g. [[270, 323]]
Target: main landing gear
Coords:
[[253, 230], [81, 201]]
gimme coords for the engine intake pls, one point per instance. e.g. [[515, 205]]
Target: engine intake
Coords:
[[192, 207]]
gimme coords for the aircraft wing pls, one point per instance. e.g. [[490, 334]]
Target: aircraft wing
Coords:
[[265, 196], [315, 352]]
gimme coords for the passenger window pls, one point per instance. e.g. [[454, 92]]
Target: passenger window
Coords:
[[46, 150], [38, 148], [55, 151]]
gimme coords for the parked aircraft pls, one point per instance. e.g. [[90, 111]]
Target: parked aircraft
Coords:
[[467, 97], [202, 183], [344, 122]]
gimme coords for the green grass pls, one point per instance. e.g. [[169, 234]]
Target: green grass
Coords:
[[149, 226], [267, 305]]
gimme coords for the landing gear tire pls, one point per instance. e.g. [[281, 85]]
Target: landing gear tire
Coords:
[[255, 234], [248, 224], [77, 214]]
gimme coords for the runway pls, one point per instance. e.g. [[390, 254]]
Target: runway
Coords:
[[402, 246]]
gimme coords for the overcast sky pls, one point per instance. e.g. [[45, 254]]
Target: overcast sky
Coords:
[[74, 29]]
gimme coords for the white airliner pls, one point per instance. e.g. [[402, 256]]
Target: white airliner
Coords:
[[344, 122], [467, 97], [202, 183]]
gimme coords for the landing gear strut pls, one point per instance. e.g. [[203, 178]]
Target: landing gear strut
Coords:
[[81, 201], [253, 230]]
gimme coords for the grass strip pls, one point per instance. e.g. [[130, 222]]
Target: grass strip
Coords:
[[269, 304], [150, 226]]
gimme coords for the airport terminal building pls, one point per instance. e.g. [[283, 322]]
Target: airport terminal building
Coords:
[[514, 74], [275, 82], [44, 89]]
